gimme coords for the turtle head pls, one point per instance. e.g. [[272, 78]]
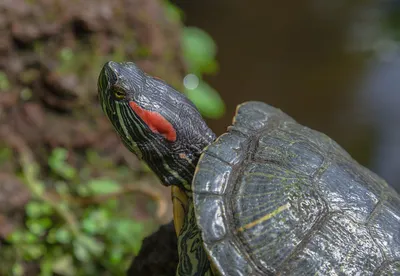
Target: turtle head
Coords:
[[154, 121]]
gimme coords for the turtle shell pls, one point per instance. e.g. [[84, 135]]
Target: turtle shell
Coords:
[[274, 197]]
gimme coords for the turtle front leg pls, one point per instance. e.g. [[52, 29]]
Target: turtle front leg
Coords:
[[193, 260]]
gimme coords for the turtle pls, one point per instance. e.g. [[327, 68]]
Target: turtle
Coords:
[[268, 197]]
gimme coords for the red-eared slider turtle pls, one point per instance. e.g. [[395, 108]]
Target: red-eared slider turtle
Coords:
[[269, 197]]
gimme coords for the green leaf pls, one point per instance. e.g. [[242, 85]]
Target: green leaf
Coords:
[[116, 254], [96, 221], [122, 230], [18, 269], [66, 54], [5, 154], [86, 246], [111, 204], [22, 237], [81, 252], [58, 163], [173, 12], [30, 238], [90, 226], [16, 236], [33, 251], [46, 267], [103, 186], [64, 266], [126, 228], [38, 226], [199, 50], [57, 157], [63, 236], [93, 157], [207, 100], [68, 172], [4, 82], [83, 190], [26, 94], [35, 209]]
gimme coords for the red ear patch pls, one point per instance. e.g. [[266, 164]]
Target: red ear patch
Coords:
[[156, 122]]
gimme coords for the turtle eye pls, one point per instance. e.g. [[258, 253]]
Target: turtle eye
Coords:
[[118, 92]]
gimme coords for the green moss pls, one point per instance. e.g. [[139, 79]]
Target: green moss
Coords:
[[143, 52], [63, 236], [5, 154], [172, 12], [26, 94], [4, 82], [28, 76]]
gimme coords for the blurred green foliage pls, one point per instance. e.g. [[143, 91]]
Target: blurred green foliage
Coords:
[[207, 100], [68, 238], [4, 82], [199, 51]]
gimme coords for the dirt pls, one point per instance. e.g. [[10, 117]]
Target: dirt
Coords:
[[50, 55], [158, 255]]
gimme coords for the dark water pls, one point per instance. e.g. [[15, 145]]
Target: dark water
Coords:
[[300, 56]]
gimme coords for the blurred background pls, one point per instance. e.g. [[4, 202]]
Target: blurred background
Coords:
[[74, 201]]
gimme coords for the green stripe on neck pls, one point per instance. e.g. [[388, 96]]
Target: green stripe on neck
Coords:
[[185, 184], [133, 145]]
